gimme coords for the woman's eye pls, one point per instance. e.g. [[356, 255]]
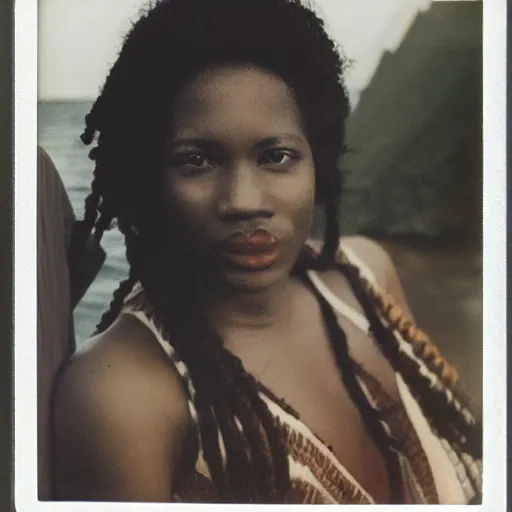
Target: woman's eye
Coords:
[[277, 157], [191, 163], [193, 159]]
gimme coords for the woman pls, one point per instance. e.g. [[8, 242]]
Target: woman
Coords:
[[219, 128]]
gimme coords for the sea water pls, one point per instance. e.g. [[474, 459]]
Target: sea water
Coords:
[[59, 128]]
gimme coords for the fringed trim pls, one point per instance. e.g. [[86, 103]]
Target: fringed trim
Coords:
[[304, 493], [314, 476], [467, 469], [320, 465], [307, 448], [194, 487], [413, 493], [402, 429]]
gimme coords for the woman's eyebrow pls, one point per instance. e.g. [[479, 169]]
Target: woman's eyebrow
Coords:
[[201, 142], [211, 143], [272, 141]]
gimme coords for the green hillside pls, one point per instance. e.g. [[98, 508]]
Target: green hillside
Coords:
[[415, 165]]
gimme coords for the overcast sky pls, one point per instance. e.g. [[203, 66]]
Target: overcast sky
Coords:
[[79, 40]]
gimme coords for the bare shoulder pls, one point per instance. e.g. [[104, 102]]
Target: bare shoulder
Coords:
[[377, 260], [373, 255], [126, 357], [120, 418]]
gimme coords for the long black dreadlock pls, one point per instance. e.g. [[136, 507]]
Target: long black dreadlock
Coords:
[[169, 45]]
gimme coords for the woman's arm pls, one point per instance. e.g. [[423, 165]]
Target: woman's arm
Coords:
[[120, 420]]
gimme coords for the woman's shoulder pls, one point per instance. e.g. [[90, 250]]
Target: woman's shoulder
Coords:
[[124, 357], [366, 252], [373, 262], [115, 390]]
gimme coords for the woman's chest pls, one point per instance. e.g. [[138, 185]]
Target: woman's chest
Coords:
[[302, 371]]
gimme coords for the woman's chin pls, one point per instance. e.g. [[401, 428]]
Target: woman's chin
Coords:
[[244, 280]]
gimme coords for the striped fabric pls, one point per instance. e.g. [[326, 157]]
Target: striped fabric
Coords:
[[431, 471], [317, 475]]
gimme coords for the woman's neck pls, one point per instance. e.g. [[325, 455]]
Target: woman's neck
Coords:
[[252, 310]]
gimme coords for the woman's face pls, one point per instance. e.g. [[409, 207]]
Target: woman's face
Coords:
[[240, 176]]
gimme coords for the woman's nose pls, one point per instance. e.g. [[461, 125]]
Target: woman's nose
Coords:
[[242, 195]]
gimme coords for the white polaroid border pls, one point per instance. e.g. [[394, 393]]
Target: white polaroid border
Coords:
[[494, 272]]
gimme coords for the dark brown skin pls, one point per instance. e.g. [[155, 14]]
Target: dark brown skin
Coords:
[[121, 410], [239, 158]]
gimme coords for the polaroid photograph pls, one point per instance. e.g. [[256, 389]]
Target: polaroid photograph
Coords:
[[259, 254]]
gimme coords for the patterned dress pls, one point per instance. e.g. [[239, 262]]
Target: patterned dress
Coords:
[[430, 471]]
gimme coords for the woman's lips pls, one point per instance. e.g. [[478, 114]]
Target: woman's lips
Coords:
[[259, 261], [256, 250]]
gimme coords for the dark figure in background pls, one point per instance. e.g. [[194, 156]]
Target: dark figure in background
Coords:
[[218, 131], [62, 279]]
